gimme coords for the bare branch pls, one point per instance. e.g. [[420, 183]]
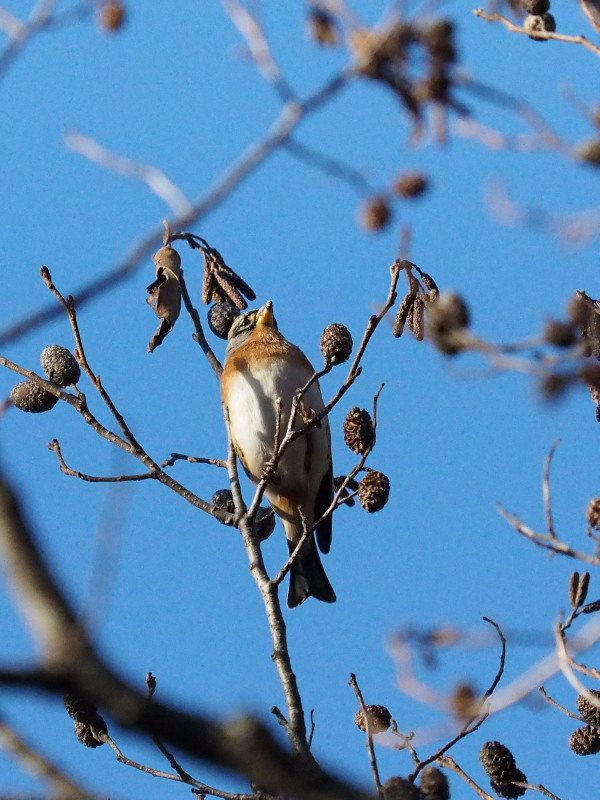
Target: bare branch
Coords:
[[31, 758], [370, 749], [258, 45], [288, 119], [70, 661], [559, 37], [55, 447], [449, 763]]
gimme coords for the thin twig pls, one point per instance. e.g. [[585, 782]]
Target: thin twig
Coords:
[[32, 759], [370, 749], [536, 788], [449, 763], [198, 330], [564, 710], [546, 541], [559, 37], [55, 447], [215, 462]]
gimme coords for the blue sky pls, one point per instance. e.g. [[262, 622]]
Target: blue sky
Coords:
[[175, 89]]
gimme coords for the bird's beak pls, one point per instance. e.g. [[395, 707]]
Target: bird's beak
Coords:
[[265, 314]]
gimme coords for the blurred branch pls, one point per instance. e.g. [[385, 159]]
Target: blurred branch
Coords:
[[31, 759], [287, 120], [480, 708], [21, 32], [559, 37], [259, 48], [330, 166], [576, 228], [69, 661], [155, 180]]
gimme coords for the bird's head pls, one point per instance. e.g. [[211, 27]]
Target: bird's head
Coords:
[[249, 321]]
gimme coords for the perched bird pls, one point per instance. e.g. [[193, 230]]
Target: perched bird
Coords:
[[262, 367]]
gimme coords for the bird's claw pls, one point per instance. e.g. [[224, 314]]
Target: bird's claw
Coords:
[[269, 473]]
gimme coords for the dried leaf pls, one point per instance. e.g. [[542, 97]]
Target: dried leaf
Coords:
[[163, 329]]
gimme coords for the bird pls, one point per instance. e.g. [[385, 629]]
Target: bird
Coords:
[[262, 374]]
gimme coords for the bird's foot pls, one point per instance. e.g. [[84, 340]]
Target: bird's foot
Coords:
[[269, 473]]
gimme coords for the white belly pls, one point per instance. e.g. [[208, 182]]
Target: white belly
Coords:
[[253, 418]]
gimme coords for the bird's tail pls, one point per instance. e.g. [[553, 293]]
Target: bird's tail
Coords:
[[308, 578]]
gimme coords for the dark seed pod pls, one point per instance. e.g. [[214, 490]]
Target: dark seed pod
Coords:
[[112, 16], [588, 710], [223, 500], [336, 343], [87, 720], [402, 314], [506, 788], [374, 491], [465, 701], [322, 28], [85, 735], [221, 317], [359, 432], [411, 184], [28, 396], [265, 522], [437, 38], [560, 334], [379, 719], [499, 764], [585, 741], [591, 608], [398, 788], [496, 759], [447, 319], [434, 784], [536, 7], [534, 25], [60, 365], [589, 151], [375, 214], [592, 513]]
